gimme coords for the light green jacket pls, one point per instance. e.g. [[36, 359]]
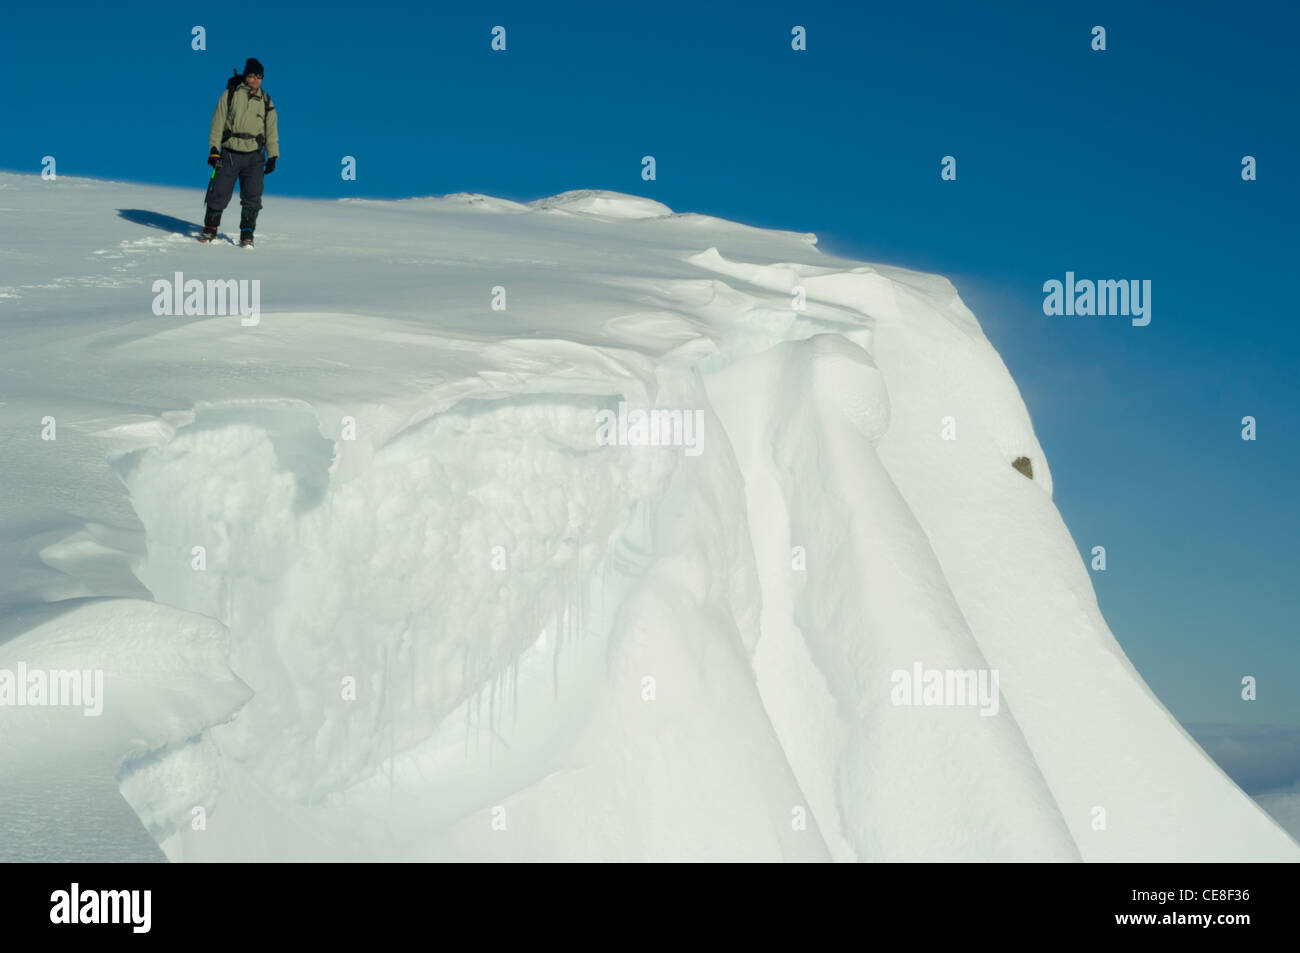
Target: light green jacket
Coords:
[[254, 115]]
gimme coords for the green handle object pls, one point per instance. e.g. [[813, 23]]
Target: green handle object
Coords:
[[209, 191]]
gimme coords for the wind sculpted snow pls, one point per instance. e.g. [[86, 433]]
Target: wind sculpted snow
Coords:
[[577, 529]]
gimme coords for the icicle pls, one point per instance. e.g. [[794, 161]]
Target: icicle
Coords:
[[478, 717], [414, 644], [582, 590], [514, 692], [464, 675], [466, 752], [555, 658], [492, 729], [311, 770], [474, 710], [382, 707], [392, 726]]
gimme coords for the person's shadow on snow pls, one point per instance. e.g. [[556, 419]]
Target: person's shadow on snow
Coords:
[[168, 223]]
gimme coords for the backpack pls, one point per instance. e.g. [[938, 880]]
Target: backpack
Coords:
[[232, 85]]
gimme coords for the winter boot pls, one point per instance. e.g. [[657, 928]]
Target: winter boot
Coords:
[[210, 222], [247, 222]]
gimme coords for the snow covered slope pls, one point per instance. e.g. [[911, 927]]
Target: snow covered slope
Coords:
[[389, 566]]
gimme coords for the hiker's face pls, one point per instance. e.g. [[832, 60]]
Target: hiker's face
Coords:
[[253, 80]]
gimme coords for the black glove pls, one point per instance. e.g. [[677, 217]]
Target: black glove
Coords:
[[214, 157], [270, 165]]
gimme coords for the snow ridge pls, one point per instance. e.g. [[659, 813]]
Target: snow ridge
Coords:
[[420, 609]]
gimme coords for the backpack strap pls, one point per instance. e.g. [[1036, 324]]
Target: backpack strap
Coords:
[[230, 107]]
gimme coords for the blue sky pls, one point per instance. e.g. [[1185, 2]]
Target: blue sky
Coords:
[[1115, 164]]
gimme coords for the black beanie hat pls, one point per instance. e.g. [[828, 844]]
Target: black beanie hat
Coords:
[[254, 67]]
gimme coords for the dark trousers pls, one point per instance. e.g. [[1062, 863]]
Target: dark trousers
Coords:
[[247, 168]]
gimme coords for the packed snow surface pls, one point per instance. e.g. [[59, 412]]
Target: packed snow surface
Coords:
[[575, 529]]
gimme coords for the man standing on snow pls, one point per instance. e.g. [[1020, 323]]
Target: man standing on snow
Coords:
[[243, 126]]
